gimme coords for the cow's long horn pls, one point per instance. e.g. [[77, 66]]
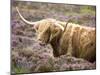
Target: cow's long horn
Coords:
[[65, 26], [67, 23], [26, 21]]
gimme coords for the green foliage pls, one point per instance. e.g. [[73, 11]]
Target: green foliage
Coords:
[[18, 69], [88, 9]]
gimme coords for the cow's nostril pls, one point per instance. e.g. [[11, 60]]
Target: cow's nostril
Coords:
[[39, 40], [42, 44]]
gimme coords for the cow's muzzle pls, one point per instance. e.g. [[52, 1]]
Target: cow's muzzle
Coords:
[[41, 43]]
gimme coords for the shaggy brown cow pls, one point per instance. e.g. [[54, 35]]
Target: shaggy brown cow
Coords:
[[74, 40]]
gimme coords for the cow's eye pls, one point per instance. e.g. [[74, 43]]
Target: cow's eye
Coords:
[[55, 31]]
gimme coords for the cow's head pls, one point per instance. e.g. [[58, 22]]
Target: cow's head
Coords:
[[47, 29]]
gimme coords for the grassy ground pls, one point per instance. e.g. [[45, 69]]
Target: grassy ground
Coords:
[[27, 56]]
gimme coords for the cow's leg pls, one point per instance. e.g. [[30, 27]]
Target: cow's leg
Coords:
[[69, 50]]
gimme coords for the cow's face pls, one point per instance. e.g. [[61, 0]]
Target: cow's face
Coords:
[[43, 32], [46, 32]]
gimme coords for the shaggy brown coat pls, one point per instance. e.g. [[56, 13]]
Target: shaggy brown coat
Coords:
[[76, 40]]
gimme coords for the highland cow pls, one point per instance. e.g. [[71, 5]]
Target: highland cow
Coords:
[[73, 40]]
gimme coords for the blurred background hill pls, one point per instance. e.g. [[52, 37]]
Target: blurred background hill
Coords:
[[83, 14]]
